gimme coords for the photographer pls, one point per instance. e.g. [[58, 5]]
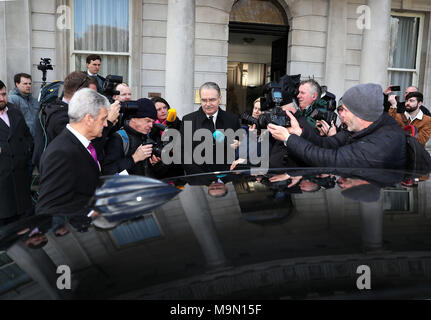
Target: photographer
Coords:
[[127, 148], [124, 92]]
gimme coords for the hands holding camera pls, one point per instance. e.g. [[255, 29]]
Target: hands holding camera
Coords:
[[282, 133], [114, 112], [143, 152], [325, 129]]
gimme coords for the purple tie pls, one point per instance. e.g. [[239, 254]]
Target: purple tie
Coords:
[[93, 153]]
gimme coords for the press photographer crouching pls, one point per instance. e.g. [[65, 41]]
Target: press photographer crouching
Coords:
[[130, 149]]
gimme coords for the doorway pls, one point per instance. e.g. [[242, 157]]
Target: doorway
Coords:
[[258, 34]]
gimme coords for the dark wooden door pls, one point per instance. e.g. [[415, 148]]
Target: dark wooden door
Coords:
[[278, 59]]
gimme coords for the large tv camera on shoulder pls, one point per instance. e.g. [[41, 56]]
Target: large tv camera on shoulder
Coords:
[[327, 112], [108, 89], [275, 95]]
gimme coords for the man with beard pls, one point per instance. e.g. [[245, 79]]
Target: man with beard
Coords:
[[414, 116]]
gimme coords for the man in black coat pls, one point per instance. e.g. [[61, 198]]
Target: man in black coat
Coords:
[[130, 148], [69, 170], [373, 139], [16, 145], [211, 117], [56, 116]]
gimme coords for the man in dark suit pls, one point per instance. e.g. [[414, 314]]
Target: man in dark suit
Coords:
[[93, 63], [16, 146], [69, 170], [211, 117]]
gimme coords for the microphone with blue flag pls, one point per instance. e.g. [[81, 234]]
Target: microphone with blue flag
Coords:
[[218, 136]]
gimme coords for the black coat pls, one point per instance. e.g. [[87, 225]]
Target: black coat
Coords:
[[56, 120], [116, 160], [68, 177], [16, 145], [381, 145], [225, 120]]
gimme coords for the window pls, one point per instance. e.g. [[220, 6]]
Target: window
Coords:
[[135, 231], [405, 47], [400, 201], [11, 276], [102, 27]]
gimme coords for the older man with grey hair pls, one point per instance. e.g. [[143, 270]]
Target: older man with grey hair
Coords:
[[70, 170]]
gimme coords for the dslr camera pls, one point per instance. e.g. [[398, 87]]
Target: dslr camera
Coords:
[[275, 95], [127, 108], [326, 113], [154, 139]]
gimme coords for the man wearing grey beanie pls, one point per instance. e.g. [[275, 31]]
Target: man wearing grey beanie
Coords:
[[372, 139]]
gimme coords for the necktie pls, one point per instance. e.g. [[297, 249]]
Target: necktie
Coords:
[[93, 153], [212, 126]]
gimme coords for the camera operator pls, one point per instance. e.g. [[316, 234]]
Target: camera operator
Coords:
[[309, 99], [125, 93], [128, 150]]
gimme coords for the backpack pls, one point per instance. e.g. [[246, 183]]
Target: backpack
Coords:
[[418, 159], [125, 138], [49, 95], [50, 92]]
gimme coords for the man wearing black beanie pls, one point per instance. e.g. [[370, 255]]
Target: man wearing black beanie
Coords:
[[372, 140], [126, 150]]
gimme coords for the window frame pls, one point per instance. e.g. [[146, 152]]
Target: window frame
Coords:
[[74, 52], [415, 72]]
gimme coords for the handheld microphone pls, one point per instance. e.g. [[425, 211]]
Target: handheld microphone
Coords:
[[172, 115], [218, 136]]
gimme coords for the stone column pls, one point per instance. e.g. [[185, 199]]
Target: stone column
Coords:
[[372, 224], [180, 53], [336, 47], [3, 66], [197, 211], [39, 266], [15, 33], [375, 44]]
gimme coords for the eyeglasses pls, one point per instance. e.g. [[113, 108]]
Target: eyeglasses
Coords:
[[206, 101]]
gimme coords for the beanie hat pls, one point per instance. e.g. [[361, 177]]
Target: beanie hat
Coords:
[[146, 109], [365, 101]]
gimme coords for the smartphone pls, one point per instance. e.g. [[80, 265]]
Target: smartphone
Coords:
[[395, 88]]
